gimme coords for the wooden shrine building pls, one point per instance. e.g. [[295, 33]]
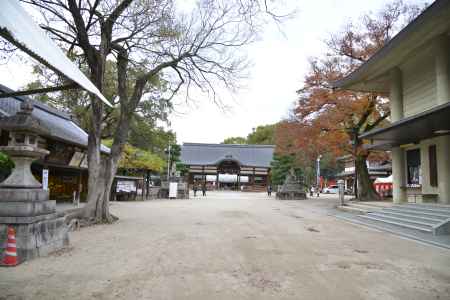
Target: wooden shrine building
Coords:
[[251, 162], [66, 165]]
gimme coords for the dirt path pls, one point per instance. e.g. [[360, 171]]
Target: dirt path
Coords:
[[232, 246]]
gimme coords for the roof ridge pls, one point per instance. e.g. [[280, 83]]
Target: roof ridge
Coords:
[[39, 104], [230, 145], [433, 8]]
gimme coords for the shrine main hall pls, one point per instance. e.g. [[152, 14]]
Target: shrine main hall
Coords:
[[228, 166]]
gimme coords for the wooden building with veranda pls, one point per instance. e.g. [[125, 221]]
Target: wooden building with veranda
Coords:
[[248, 165], [66, 166]]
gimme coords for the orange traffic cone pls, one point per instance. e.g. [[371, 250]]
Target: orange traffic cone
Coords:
[[10, 258]]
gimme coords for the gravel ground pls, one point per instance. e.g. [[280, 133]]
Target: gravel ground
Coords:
[[232, 246]]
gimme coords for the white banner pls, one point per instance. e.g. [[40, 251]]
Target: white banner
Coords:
[[45, 179], [173, 187]]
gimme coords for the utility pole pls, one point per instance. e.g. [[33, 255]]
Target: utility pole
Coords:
[[355, 150], [168, 164]]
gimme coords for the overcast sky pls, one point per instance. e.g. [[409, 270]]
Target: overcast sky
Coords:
[[279, 64]]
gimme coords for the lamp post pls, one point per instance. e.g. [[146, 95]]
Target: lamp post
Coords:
[[168, 164], [355, 150]]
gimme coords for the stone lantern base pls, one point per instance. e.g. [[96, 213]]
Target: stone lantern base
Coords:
[[39, 229], [292, 189], [291, 195]]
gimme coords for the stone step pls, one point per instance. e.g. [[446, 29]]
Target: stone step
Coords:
[[435, 210], [352, 209], [373, 204], [401, 224], [403, 219], [363, 206], [411, 216], [418, 213], [440, 207], [357, 207]]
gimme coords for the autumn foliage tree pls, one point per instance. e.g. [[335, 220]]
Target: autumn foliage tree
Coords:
[[327, 120]]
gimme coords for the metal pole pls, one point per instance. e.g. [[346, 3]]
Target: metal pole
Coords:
[[355, 149], [168, 165], [318, 173], [356, 181]]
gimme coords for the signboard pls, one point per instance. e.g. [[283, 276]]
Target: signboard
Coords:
[[84, 162], [76, 159], [126, 186], [173, 187], [45, 179], [68, 179]]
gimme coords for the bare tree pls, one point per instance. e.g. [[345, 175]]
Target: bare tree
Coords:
[[198, 49]]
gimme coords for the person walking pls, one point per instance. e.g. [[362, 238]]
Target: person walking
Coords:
[[195, 189], [311, 191], [204, 189], [269, 190]]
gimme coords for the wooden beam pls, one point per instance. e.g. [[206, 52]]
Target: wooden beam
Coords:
[[41, 90]]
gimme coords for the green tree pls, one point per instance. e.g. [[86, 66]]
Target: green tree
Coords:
[[146, 135], [262, 135], [235, 140], [175, 154], [281, 165], [133, 159]]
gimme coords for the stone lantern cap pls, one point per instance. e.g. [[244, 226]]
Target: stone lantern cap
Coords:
[[23, 121]]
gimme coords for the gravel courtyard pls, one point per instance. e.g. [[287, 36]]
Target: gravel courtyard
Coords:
[[232, 246]]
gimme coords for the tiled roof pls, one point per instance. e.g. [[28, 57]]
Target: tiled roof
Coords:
[[59, 124], [212, 154]]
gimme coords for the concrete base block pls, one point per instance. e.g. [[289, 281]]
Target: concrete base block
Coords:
[[23, 195], [26, 209], [181, 194], [37, 239], [291, 195]]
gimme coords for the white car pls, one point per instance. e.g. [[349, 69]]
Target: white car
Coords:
[[332, 189]]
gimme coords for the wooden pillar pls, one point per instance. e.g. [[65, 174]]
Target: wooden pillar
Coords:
[[217, 180], [253, 180], [78, 191], [114, 190], [203, 175], [239, 181], [442, 64], [143, 187], [398, 175], [147, 185], [397, 113]]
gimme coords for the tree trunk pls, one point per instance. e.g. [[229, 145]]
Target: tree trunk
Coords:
[[366, 190], [93, 210], [97, 208]]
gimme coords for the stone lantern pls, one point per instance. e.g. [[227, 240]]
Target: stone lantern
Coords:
[[22, 148], [292, 188], [23, 203]]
